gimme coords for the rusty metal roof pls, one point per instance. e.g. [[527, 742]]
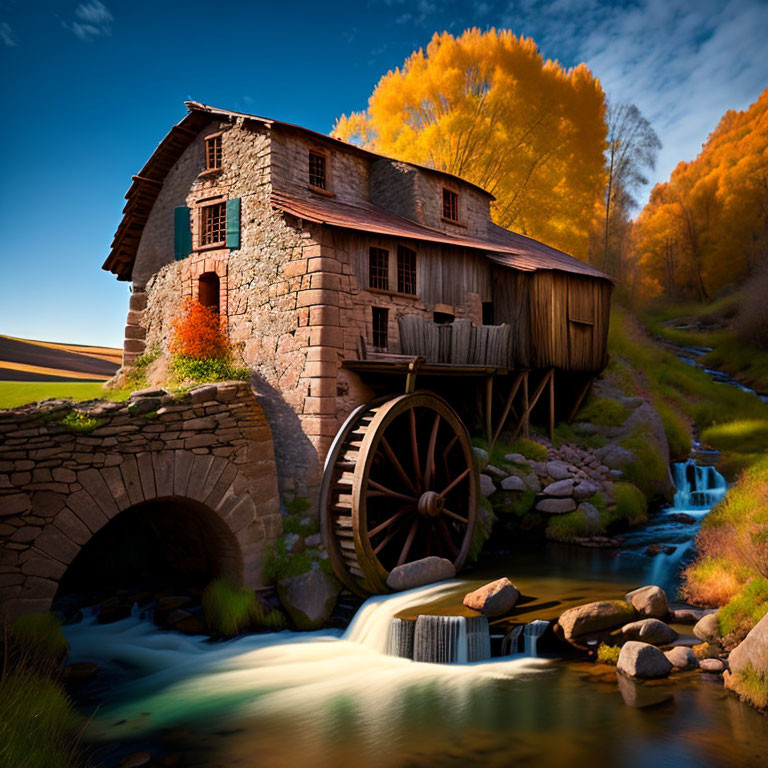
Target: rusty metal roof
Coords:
[[501, 246]]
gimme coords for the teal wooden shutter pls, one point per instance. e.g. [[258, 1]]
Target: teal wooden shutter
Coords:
[[182, 233], [233, 223]]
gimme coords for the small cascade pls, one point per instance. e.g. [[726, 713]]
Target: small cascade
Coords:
[[531, 635], [400, 642], [697, 487], [511, 642]]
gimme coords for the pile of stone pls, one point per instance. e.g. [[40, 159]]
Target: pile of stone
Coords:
[[565, 482], [639, 624]]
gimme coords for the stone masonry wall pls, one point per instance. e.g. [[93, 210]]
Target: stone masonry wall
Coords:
[[59, 487]]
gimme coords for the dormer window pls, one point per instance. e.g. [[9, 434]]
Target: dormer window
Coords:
[[213, 152], [450, 205], [317, 170]]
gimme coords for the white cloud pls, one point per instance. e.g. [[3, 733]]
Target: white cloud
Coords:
[[7, 36], [92, 19]]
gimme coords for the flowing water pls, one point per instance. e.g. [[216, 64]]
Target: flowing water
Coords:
[[335, 698]]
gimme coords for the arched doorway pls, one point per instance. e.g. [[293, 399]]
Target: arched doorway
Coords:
[[166, 544], [209, 290]]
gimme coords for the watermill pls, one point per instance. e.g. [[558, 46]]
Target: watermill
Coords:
[[399, 484]]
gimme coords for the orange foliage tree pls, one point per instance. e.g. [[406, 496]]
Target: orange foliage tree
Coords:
[[486, 106], [197, 333], [707, 227]]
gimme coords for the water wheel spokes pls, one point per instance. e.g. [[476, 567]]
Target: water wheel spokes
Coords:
[[399, 485]]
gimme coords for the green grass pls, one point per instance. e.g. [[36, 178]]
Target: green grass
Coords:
[[282, 564], [528, 448], [631, 504], [38, 723], [81, 423], [39, 638], [571, 526], [741, 436], [752, 686], [742, 612], [229, 609], [604, 411], [275, 621], [191, 370], [16, 393]]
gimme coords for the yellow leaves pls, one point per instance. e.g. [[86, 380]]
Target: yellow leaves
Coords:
[[713, 212], [486, 106]]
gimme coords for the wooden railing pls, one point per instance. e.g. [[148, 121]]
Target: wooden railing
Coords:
[[460, 342]]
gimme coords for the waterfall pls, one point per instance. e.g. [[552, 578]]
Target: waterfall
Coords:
[[511, 642], [441, 639], [531, 635], [400, 641], [697, 487]]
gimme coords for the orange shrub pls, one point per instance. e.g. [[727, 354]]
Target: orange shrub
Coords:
[[197, 333]]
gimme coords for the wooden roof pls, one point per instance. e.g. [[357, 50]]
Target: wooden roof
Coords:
[[501, 246]]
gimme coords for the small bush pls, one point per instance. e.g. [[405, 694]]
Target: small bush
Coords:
[[282, 564], [38, 637], [186, 370], [296, 521], [229, 609], [713, 581], [571, 526], [275, 620], [81, 423], [608, 654], [752, 686], [631, 504], [744, 610], [604, 411], [196, 333]]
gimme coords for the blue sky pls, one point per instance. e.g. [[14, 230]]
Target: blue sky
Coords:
[[89, 88]]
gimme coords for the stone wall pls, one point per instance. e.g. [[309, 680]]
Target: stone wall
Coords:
[[58, 487]]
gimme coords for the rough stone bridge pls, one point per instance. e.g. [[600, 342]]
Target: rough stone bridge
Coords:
[[204, 464]]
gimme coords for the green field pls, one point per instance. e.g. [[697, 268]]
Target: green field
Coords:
[[16, 393]]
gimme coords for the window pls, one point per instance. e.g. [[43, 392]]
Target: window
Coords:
[[450, 204], [213, 153], [406, 270], [378, 268], [213, 225], [488, 313], [317, 170], [380, 327], [208, 290]]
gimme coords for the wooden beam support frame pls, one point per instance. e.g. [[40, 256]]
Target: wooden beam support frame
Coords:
[[488, 407], [552, 406], [410, 378], [534, 399], [507, 408], [580, 399], [526, 411]]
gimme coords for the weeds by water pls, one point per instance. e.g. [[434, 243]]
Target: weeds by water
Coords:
[[229, 609]]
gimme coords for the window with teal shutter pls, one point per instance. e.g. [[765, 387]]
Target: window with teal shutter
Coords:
[[233, 223], [182, 233]]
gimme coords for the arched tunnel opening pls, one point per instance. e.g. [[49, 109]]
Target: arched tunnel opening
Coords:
[[160, 547]]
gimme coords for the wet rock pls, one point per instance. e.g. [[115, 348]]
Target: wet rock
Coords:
[[494, 599], [750, 654], [513, 483], [495, 472], [560, 488], [682, 658], [649, 601], [682, 517], [556, 506], [557, 470], [170, 603], [644, 661], [309, 598], [595, 617], [650, 631], [706, 628], [420, 572], [112, 610], [487, 486], [712, 665], [659, 549], [687, 615]]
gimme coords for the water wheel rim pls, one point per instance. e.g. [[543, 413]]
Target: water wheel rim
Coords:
[[376, 572]]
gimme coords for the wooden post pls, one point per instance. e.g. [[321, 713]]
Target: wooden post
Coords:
[[534, 399], [526, 420], [507, 409], [580, 399], [552, 405], [488, 409]]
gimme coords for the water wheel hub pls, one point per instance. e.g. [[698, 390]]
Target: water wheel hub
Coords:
[[430, 504]]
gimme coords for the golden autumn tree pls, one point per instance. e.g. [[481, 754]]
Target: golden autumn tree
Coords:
[[707, 227], [486, 106]]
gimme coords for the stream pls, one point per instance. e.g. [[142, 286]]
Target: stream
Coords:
[[333, 698]]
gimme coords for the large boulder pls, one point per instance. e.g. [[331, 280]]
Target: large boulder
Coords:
[[707, 629], [650, 631], [748, 663], [420, 572], [650, 601], [643, 661], [595, 617], [682, 658], [494, 599], [309, 598]]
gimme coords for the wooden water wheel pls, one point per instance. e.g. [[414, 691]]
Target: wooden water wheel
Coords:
[[399, 484]]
